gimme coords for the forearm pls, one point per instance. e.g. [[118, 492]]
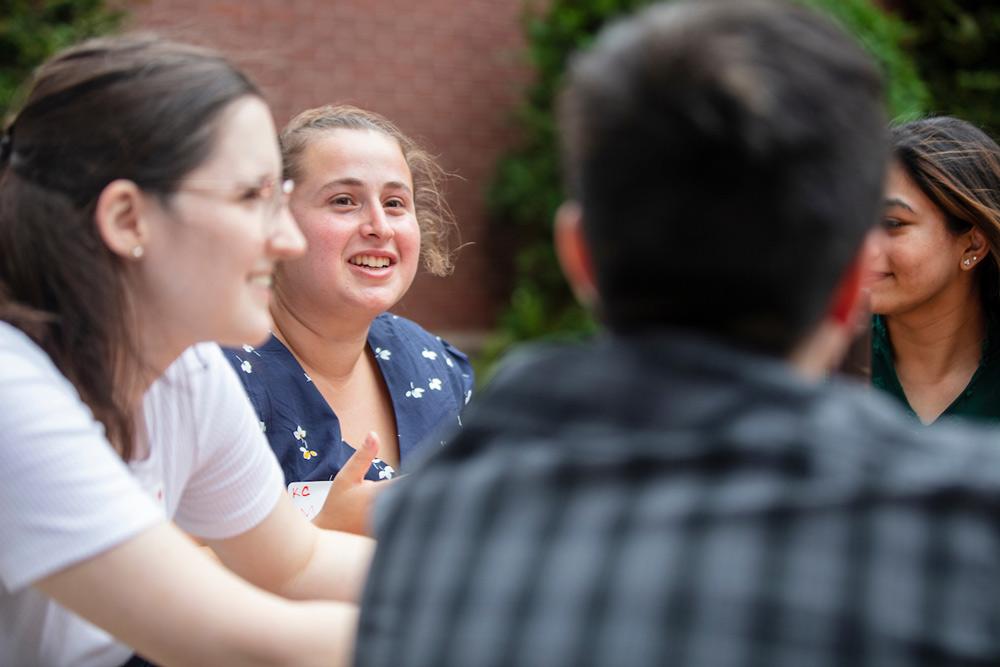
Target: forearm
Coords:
[[287, 555], [160, 595], [335, 570]]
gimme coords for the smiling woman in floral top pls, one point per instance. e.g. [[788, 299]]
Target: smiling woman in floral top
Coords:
[[338, 365]]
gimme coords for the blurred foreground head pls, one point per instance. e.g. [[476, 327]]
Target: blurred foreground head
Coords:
[[728, 157]]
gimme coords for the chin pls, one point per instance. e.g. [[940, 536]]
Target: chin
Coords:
[[249, 331]]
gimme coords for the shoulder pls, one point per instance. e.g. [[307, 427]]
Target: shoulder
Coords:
[[31, 387], [394, 335], [21, 357], [252, 363], [391, 327], [199, 364], [200, 385]]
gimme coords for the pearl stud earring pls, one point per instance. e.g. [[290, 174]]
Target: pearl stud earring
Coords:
[[137, 252]]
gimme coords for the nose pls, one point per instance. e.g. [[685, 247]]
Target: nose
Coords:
[[874, 246], [286, 240], [377, 226]]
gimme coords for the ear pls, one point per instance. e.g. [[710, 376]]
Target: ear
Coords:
[[976, 249], [119, 218], [574, 253]]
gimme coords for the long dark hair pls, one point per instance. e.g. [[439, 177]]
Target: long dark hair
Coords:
[[957, 166], [137, 108]]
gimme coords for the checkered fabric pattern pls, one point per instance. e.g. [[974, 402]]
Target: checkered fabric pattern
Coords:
[[671, 501]]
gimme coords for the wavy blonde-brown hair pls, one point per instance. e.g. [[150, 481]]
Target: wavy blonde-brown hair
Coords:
[[434, 217]]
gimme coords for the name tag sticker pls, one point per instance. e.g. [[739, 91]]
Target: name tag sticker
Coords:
[[309, 496]]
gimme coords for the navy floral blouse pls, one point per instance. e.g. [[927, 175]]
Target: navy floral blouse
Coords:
[[429, 382]]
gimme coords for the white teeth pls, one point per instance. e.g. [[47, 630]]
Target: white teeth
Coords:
[[369, 261], [263, 280]]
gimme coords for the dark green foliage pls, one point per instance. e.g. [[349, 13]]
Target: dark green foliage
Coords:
[[957, 50], [526, 189], [32, 30]]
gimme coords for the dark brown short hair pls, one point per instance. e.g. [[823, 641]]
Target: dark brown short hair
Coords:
[[728, 156]]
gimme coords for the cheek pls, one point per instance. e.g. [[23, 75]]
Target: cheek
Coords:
[[921, 266], [910, 254], [325, 240], [408, 241]]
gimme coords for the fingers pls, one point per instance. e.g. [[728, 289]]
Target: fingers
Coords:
[[356, 467], [371, 443]]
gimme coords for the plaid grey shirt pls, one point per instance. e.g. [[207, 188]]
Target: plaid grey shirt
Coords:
[[668, 501]]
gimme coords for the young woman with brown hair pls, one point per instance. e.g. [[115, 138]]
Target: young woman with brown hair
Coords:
[[339, 365], [935, 286], [142, 212]]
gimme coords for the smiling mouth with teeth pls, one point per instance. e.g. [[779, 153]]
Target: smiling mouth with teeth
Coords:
[[370, 261], [262, 280]]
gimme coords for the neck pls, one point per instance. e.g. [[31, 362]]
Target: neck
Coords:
[[933, 343], [331, 349], [157, 348]]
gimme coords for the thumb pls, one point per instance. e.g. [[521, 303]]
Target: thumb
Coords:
[[357, 466]]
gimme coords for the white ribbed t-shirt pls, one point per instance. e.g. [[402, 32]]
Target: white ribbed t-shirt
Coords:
[[66, 496]]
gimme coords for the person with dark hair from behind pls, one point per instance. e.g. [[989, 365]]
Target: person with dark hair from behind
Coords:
[[689, 489]]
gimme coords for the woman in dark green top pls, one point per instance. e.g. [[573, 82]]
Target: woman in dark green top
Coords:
[[935, 284]]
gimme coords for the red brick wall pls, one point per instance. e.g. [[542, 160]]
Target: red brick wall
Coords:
[[449, 72]]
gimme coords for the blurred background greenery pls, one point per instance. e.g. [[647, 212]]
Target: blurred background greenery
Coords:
[[32, 30]]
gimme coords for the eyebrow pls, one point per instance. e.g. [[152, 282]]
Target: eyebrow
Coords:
[[895, 201], [356, 182]]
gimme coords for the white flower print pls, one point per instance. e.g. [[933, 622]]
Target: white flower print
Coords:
[[385, 471], [383, 354], [248, 348], [415, 392], [247, 367], [447, 360], [429, 354], [300, 435], [435, 384], [468, 396]]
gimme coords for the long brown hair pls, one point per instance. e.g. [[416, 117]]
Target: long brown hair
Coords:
[[957, 166], [137, 108], [434, 217]]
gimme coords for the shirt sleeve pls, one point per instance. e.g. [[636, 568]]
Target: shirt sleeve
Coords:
[[462, 371], [236, 481], [65, 494]]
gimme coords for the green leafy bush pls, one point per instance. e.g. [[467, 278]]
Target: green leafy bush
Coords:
[[957, 50], [526, 188], [32, 30]]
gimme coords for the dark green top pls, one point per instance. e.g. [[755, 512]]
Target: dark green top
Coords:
[[980, 398]]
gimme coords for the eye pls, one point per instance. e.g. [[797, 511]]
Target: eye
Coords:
[[342, 200], [891, 224], [395, 202], [253, 193]]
